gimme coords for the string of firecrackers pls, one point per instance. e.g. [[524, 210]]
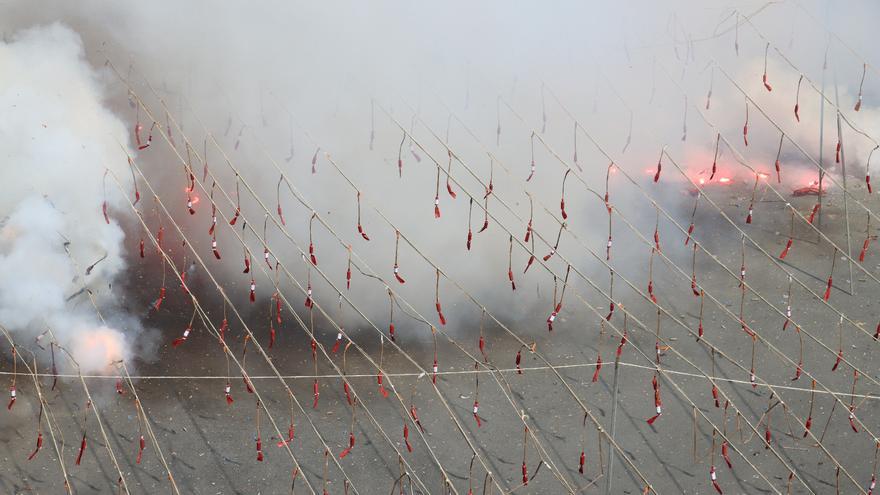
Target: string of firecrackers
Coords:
[[750, 239], [655, 384], [777, 160], [809, 221], [244, 375], [44, 405], [762, 296], [714, 388], [471, 296], [799, 366], [777, 165], [217, 333], [839, 356], [856, 107], [798, 371], [656, 243], [822, 169], [380, 374], [623, 340], [248, 385], [528, 233]]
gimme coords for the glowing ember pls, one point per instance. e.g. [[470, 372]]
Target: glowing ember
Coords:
[[193, 197], [703, 181]]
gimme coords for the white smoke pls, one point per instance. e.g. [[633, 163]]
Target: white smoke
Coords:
[[57, 139]]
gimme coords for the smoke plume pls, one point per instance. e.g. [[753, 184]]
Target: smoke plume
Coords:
[[57, 139]]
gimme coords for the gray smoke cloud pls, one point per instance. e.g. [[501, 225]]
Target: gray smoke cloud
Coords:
[[250, 70], [58, 138]]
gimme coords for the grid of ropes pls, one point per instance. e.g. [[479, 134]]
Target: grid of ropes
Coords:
[[549, 462], [626, 324]]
